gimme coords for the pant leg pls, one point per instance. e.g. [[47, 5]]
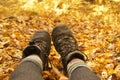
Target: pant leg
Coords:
[[27, 71], [83, 73]]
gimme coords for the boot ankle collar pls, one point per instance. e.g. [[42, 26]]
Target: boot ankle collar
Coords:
[[76, 54]]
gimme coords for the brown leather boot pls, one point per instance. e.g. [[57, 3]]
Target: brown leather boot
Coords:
[[66, 44], [40, 45]]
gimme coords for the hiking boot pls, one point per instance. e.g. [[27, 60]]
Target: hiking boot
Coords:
[[66, 44], [39, 44]]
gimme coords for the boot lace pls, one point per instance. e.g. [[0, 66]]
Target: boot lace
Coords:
[[66, 45]]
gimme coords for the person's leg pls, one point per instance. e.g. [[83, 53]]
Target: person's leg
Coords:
[[34, 58], [29, 69], [77, 69], [73, 60]]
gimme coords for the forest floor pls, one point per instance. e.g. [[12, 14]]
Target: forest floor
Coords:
[[96, 26]]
